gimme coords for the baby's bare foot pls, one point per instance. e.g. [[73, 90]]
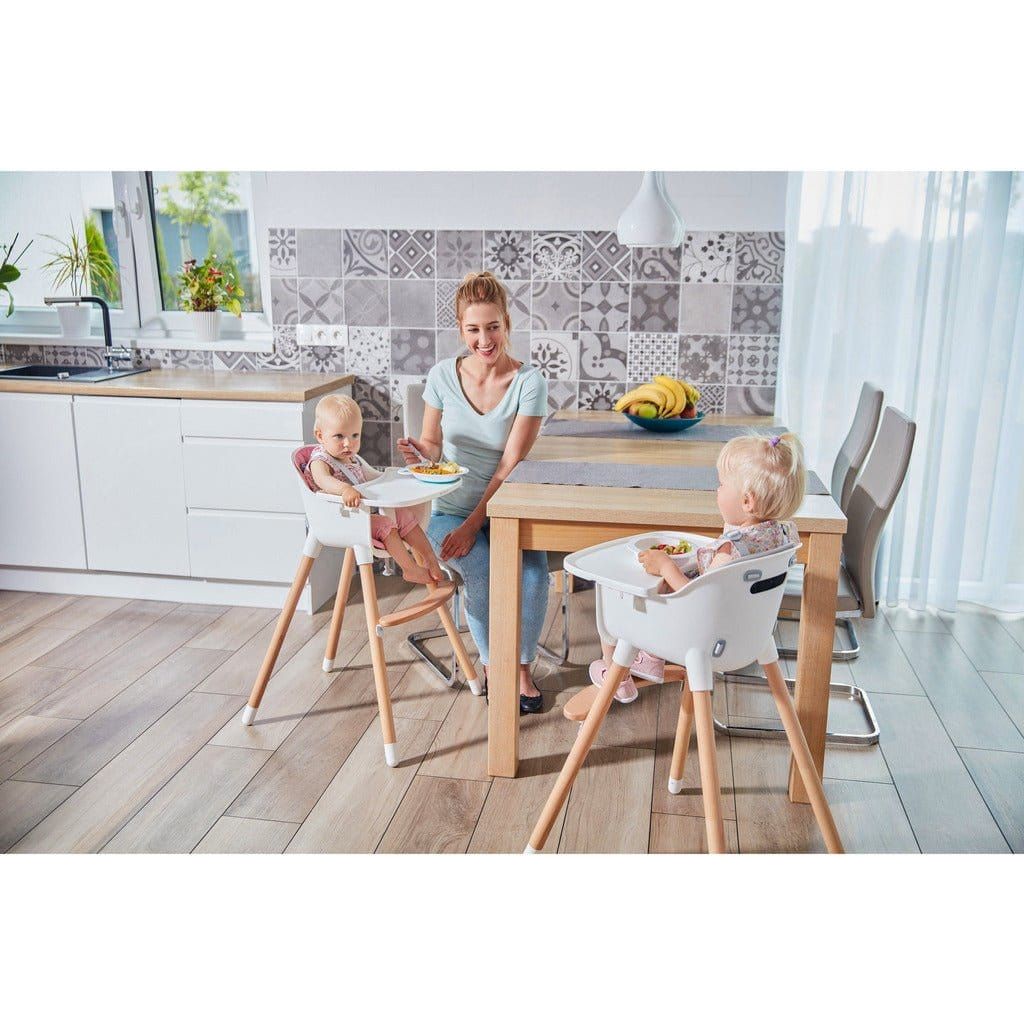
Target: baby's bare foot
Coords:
[[435, 572], [416, 574]]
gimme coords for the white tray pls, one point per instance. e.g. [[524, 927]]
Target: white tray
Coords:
[[396, 490]]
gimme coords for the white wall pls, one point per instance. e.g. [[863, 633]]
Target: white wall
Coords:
[[740, 200]]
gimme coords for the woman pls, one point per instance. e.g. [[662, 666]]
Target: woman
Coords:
[[484, 410]]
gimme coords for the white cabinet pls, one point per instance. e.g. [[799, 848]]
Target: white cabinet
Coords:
[[133, 484], [40, 506]]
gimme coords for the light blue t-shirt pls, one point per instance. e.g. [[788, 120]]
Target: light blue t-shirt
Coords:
[[477, 441]]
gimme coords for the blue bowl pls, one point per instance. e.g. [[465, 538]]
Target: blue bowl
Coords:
[[669, 426]]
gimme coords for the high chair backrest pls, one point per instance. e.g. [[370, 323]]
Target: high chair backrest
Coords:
[[331, 523], [728, 613], [412, 409]]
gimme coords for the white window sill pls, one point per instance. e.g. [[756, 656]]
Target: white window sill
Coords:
[[253, 341]]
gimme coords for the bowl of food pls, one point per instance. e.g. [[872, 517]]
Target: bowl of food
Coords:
[[680, 550], [437, 472]]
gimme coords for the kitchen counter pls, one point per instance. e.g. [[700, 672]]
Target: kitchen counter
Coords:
[[272, 386]]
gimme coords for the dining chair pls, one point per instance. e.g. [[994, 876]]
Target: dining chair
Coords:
[[412, 425], [332, 524], [867, 511], [719, 622]]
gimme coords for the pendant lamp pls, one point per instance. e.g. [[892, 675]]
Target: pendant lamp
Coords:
[[650, 219]]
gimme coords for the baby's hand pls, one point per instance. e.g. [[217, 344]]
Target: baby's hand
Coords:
[[351, 497], [654, 562]]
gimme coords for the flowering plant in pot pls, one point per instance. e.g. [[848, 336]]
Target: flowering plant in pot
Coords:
[[79, 260], [204, 289]]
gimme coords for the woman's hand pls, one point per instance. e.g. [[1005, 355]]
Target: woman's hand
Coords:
[[460, 541], [412, 455], [655, 562], [351, 497]]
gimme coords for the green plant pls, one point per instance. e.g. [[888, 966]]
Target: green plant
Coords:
[[78, 261], [205, 196], [9, 272], [97, 244], [209, 286]]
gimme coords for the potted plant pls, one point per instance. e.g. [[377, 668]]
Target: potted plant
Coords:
[[79, 260], [204, 290], [9, 272]]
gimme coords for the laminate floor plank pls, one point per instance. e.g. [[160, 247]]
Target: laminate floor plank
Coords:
[[83, 612], [1015, 627], [246, 835], [11, 597], [177, 817], [882, 666], [234, 628], [986, 643], [1000, 777], [682, 833], [23, 805], [27, 736], [907, 620], [27, 687], [28, 645], [435, 816], [28, 612], [1008, 689], [89, 818], [85, 749]]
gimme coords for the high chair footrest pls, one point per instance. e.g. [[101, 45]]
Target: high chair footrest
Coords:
[[414, 611], [578, 707]]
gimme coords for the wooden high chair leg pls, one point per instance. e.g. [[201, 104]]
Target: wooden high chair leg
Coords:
[[380, 666], [284, 620], [684, 728], [587, 734], [802, 756], [709, 783], [344, 583]]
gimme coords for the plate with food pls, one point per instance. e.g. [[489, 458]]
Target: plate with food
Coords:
[[680, 550], [436, 472]]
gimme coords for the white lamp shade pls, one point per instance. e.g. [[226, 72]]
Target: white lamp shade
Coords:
[[650, 219]]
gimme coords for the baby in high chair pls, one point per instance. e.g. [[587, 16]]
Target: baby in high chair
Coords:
[[761, 483], [336, 468]]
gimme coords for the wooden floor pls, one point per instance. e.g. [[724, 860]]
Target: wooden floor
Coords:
[[120, 732]]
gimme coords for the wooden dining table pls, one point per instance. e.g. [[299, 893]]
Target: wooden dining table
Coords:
[[550, 517]]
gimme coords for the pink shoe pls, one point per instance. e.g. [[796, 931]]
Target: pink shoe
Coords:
[[626, 692], [647, 666]]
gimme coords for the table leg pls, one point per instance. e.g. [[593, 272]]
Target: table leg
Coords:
[[814, 662], [503, 671]]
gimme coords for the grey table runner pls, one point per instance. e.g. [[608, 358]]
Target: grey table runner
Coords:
[[623, 428], [623, 474]]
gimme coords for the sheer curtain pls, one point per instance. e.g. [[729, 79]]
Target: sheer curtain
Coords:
[[916, 282]]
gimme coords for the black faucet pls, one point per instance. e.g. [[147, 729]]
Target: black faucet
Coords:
[[112, 353]]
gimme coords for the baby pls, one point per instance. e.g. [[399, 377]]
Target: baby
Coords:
[[760, 486], [336, 468]]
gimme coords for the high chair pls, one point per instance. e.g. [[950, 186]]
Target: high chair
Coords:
[[332, 524], [718, 623]]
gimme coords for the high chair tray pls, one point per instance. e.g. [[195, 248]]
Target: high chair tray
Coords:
[[391, 490], [615, 564]]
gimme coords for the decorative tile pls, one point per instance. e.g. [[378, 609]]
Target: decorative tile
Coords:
[[322, 359], [369, 351], [56, 355], [557, 255], [322, 335], [555, 305], [600, 395], [321, 300], [459, 253], [605, 258], [412, 304], [239, 362], [366, 303], [285, 355], [712, 399], [753, 359], [283, 252], [705, 308], [411, 253], [756, 309], [508, 254], [702, 357], [449, 343], [650, 354], [657, 263], [179, 358], [284, 300], [519, 342], [654, 307], [556, 355], [708, 257], [373, 396], [741, 401], [519, 304], [412, 351], [444, 304], [375, 444], [398, 383], [365, 253], [318, 252], [562, 394], [604, 306], [759, 256], [603, 356]]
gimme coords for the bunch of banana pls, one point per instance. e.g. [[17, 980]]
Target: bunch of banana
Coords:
[[661, 398]]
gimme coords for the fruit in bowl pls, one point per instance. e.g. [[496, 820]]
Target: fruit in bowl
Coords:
[[661, 398], [683, 547]]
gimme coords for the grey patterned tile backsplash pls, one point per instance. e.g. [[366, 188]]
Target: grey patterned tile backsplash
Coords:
[[594, 315]]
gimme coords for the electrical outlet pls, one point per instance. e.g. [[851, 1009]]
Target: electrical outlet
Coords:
[[322, 335]]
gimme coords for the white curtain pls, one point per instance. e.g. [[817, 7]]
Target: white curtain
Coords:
[[914, 281]]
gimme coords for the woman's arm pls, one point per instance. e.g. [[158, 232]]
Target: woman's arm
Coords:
[[429, 442]]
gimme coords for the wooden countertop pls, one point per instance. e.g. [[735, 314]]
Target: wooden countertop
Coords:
[[212, 385]]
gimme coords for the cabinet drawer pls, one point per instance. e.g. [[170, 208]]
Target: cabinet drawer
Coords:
[[275, 421], [244, 546], [252, 476]]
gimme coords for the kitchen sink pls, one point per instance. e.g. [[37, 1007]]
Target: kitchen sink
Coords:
[[78, 374]]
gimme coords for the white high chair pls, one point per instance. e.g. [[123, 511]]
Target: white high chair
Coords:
[[718, 623], [330, 523]]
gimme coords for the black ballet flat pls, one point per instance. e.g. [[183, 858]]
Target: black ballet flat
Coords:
[[531, 705]]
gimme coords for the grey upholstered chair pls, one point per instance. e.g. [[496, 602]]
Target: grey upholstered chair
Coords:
[[870, 503], [412, 423]]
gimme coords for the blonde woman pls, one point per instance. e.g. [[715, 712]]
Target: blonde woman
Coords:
[[484, 411]]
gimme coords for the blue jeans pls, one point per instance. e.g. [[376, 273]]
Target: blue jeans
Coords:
[[475, 569]]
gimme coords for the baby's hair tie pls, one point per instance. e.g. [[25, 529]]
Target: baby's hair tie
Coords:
[[774, 441]]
